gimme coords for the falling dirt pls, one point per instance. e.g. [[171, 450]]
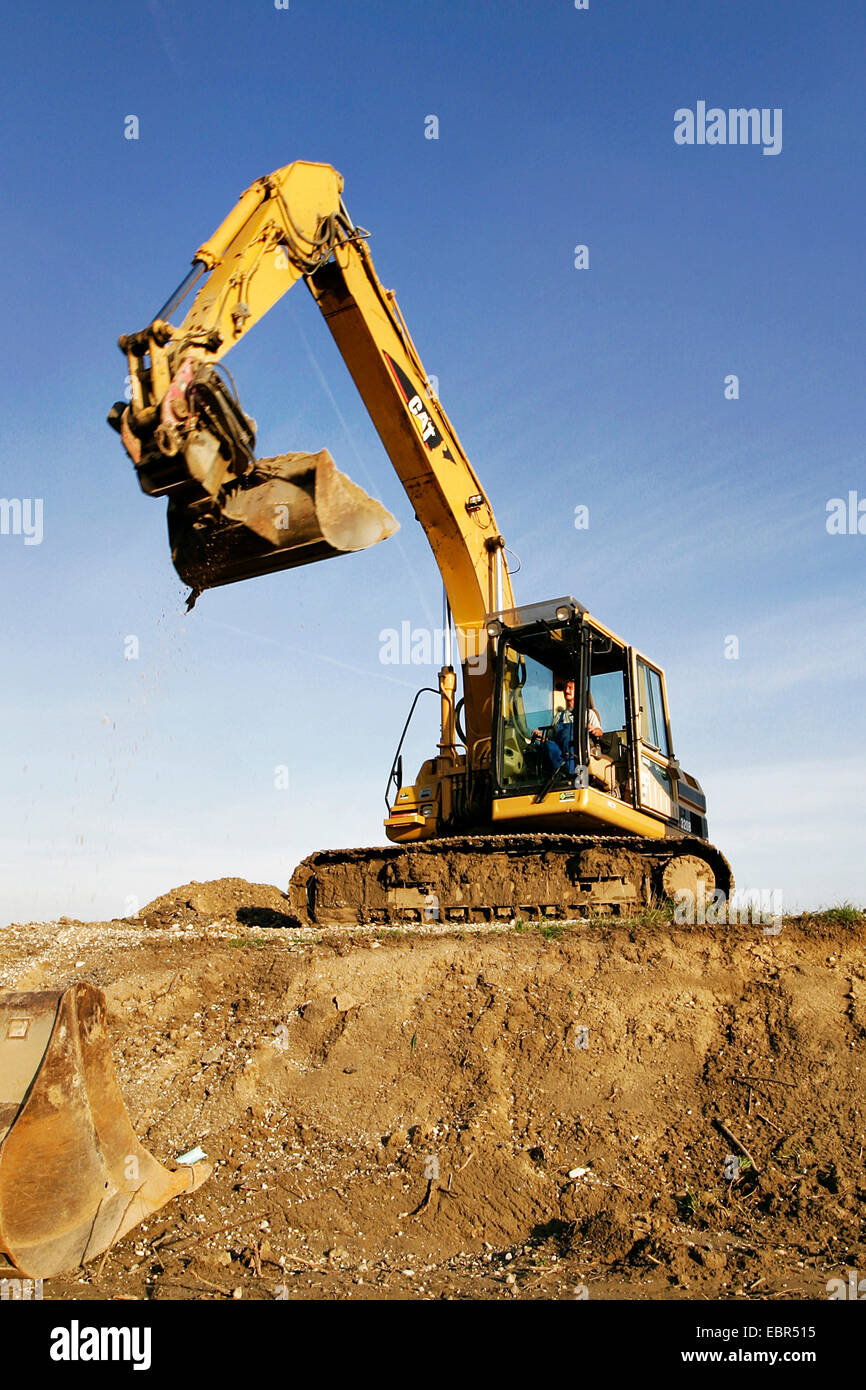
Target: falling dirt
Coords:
[[513, 1111]]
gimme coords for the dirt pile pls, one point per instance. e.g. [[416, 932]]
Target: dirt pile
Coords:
[[499, 1113], [222, 900]]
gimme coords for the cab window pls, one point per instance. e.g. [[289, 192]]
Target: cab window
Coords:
[[652, 711], [528, 703], [606, 688]]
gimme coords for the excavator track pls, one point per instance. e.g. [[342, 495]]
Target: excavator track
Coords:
[[488, 878]]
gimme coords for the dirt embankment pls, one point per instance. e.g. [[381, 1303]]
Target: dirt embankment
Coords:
[[493, 1113]]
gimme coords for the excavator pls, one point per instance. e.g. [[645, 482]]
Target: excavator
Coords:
[[507, 819], [554, 790]]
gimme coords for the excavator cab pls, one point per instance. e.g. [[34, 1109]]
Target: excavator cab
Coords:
[[621, 774], [539, 661]]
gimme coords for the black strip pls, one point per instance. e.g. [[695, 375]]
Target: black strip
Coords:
[[689, 794]]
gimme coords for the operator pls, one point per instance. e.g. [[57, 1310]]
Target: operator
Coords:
[[559, 745]]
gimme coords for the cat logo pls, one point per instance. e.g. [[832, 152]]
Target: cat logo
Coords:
[[418, 407], [428, 429]]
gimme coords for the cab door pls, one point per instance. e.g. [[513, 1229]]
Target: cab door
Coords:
[[656, 786]]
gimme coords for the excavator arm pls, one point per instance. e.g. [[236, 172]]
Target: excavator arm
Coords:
[[232, 516]]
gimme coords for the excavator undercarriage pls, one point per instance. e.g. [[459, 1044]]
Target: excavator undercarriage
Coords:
[[489, 878]]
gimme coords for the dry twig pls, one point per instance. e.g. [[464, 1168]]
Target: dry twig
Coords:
[[737, 1143]]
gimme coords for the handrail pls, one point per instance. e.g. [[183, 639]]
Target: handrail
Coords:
[[396, 773]]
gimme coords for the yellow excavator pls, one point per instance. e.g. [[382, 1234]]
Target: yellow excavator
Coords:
[[555, 789]]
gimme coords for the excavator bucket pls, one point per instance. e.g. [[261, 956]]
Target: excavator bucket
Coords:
[[73, 1176], [287, 511]]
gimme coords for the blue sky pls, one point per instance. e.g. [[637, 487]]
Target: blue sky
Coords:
[[601, 387]]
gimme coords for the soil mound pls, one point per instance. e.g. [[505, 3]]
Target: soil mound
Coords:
[[221, 900], [611, 1109]]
